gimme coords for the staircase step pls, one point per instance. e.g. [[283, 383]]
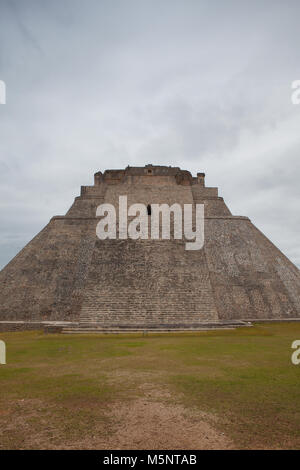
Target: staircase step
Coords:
[[99, 328]]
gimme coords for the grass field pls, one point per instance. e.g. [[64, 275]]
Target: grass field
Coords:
[[219, 389]]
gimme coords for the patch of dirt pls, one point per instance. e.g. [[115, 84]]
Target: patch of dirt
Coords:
[[149, 424], [151, 421]]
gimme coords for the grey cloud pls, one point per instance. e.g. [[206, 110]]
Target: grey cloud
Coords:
[[100, 84]]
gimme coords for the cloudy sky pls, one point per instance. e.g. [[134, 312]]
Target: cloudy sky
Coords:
[[200, 84]]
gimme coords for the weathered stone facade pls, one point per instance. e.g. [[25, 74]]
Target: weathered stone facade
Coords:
[[66, 273]]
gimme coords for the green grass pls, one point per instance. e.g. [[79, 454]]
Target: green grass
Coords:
[[245, 377]]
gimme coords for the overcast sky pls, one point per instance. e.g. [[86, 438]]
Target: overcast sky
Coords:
[[98, 84]]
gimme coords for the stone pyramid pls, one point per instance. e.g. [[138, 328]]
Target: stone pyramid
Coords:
[[67, 274]]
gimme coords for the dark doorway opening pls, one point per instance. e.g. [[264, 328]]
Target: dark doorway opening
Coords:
[[149, 209]]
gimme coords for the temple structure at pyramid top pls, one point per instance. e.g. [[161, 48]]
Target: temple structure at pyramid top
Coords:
[[66, 273], [148, 184]]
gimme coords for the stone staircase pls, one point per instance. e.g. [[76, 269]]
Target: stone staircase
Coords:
[[109, 312], [147, 287], [146, 308]]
